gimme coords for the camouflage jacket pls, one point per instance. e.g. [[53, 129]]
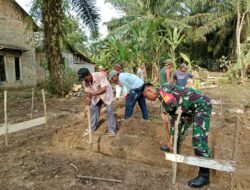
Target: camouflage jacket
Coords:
[[189, 100]]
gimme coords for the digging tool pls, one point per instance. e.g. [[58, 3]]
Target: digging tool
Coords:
[[176, 131], [89, 120], [114, 104]]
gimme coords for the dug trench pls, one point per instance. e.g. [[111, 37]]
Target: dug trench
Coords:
[[52, 158]]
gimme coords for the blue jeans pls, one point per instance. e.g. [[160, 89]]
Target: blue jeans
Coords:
[[95, 114], [136, 96]]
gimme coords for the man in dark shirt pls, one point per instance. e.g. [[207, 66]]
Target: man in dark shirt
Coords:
[[181, 76]]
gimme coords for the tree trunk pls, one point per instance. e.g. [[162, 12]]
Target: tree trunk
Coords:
[[52, 17]]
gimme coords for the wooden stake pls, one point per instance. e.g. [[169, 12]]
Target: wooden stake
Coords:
[[99, 178], [32, 103], [176, 131], [5, 118], [221, 110], [236, 139], [45, 108]]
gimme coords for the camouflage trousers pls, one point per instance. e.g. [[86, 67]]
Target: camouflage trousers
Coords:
[[200, 120]]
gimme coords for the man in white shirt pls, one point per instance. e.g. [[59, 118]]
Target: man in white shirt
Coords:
[[134, 86]]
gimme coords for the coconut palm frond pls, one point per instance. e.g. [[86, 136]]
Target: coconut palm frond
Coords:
[[118, 22], [88, 12], [213, 25]]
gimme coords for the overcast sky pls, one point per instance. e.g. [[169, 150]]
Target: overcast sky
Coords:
[[106, 10]]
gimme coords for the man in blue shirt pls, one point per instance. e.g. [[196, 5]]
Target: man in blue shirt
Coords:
[[181, 76], [134, 86]]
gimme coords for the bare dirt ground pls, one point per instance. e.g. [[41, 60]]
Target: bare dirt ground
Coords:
[[41, 158]]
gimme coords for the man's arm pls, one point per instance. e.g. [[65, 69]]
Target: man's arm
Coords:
[[196, 78], [174, 78], [98, 92], [168, 75], [124, 82]]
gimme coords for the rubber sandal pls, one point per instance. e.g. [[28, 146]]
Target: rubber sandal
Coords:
[[166, 148], [111, 134], [85, 133]]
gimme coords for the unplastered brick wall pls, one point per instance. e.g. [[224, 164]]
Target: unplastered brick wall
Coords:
[[16, 31]]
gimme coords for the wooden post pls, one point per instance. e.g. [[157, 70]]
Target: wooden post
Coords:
[[236, 139], [176, 131], [32, 103], [221, 110], [45, 108], [5, 118]]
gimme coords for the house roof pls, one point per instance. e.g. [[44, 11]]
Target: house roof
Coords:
[[26, 14], [13, 47], [80, 54]]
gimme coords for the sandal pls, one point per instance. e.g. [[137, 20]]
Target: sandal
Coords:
[[166, 148], [85, 133], [111, 134]]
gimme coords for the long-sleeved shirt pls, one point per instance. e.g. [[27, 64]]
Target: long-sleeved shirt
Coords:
[[130, 81], [189, 100]]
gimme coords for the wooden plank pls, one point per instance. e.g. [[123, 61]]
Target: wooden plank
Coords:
[[23, 125], [221, 165]]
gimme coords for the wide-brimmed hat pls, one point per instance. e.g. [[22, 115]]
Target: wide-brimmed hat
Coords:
[[167, 62]]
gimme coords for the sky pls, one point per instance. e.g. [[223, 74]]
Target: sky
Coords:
[[106, 10]]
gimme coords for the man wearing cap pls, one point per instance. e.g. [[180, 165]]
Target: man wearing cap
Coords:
[[181, 76], [99, 91], [118, 68], [134, 86], [166, 72]]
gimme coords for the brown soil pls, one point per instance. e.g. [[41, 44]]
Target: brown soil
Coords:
[[41, 158]]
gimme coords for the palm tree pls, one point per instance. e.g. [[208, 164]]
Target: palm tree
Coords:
[[219, 25], [53, 14]]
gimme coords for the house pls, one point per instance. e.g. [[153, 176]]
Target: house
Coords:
[[20, 64], [17, 53], [75, 60]]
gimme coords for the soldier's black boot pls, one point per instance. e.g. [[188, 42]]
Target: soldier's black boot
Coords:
[[201, 180]]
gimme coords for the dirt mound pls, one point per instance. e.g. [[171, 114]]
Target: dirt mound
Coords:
[[139, 140]]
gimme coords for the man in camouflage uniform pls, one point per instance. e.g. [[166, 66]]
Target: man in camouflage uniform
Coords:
[[196, 110]]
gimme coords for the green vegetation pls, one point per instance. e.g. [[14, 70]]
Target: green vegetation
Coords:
[[204, 33]]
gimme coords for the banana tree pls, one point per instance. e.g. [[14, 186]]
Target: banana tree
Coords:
[[175, 38]]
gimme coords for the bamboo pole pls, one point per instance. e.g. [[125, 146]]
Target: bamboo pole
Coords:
[[45, 108], [236, 139], [32, 103], [176, 131], [99, 178], [5, 118]]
